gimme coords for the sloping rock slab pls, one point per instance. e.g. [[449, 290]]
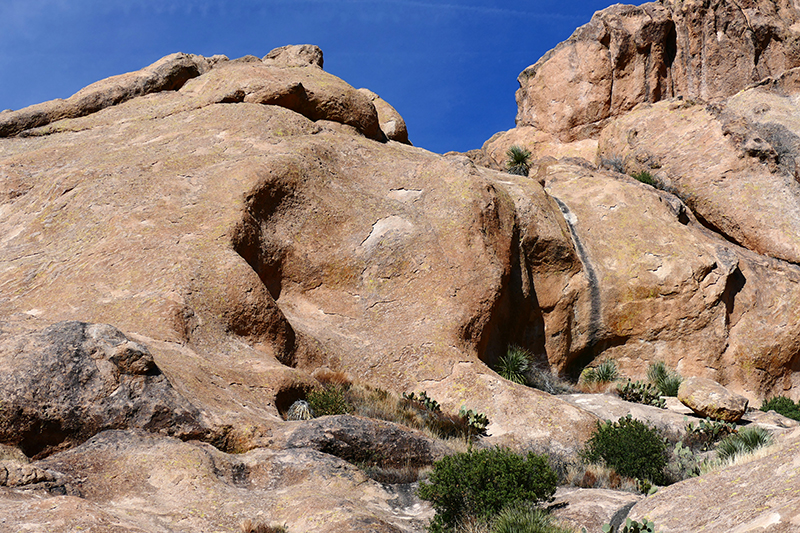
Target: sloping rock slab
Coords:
[[591, 508], [757, 496], [62, 385], [154, 483]]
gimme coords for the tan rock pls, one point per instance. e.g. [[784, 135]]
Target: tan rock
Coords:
[[167, 74], [539, 143], [705, 307], [721, 165], [135, 481], [298, 55], [627, 55], [593, 508], [246, 246], [758, 495], [707, 398], [392, 123]]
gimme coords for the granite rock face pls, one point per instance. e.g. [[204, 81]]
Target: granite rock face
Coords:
[[629, 54], [73, 380]]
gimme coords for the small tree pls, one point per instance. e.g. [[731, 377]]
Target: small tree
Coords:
[[518, 160]]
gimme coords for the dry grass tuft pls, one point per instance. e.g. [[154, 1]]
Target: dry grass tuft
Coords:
[[248, 526]]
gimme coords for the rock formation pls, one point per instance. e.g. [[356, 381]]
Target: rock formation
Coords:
[[185, 247]]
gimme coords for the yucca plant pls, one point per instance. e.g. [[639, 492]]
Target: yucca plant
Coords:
[[522, 517], [664, 379], [514, 364], [518, 160], [744, 442], [605, 372]]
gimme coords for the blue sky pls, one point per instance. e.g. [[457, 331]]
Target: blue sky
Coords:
[[449, 67]]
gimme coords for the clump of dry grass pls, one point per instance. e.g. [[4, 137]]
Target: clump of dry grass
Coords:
[[595, 476], [248, 526]]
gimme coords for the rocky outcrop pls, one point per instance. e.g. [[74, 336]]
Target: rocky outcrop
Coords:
[[186, 487], [629, 54], [247, 242], [72, 380], [593, 508], [706, 307], [166, 74], [757, 495], [391, 122], [709, 399]]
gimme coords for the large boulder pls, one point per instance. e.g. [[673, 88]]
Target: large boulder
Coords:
[[72, 380], [709, 399], [632, 54]]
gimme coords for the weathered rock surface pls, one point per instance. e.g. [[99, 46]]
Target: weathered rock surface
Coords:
[[760, 495], [391, 122], [188, 487], [707, 307], [360, 440], [247, 245], [593, 508], [632, 54], [72, 380], [709, 399], [166, 74]]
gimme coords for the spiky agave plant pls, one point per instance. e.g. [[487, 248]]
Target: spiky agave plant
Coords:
[[745, 442], [666, 381], [518, 160], [514, 364]]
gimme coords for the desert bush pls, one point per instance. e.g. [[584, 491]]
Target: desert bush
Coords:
[[522, 517], [665, 380], [514, 365], [744, 442], [248, 526], [543, 379], [518, 160], [645, 177], [614, 163], [605, 372], [630, 447], [640, 392], [329, 400], [782, 405], [480, 483]]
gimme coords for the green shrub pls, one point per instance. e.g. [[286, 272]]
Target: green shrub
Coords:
[[640, 392], [782, 405], [605, 372], [329, 401], [514, 364], [664, 379], [630, 447], [632, 526], [682, 464], [518, 160], [645, 177], [480, 483], [522, 517], [744, 442]]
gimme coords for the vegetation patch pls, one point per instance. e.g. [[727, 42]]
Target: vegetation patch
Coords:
[[630, 447], [664, 379], [518, 160], [640, 392], [783, 406], [479, 484]]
